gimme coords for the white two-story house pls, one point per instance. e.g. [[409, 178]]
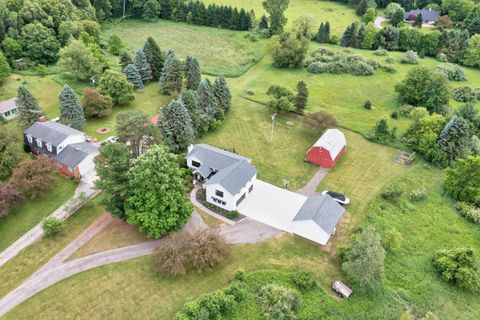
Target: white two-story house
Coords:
[[228, 178]]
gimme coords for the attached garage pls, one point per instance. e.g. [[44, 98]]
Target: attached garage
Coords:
[[328, 149]]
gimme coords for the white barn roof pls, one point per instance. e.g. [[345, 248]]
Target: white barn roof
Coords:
[[332, 140]]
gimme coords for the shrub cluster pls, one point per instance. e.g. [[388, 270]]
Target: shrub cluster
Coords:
[[304, 280], [410, 57], [380, 52], [52, 226], [458, 266], [393, 194], [278, 302], [389, 69], [452, 71], [326, 61], [199, 251], [418, 195], [470, 212], [465, 94]]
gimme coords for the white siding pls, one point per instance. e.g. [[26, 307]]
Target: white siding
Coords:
[[86, 165], [231, 200], [310, 230], [77, 138]]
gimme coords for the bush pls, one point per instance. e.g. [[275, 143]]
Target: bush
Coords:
[[240, 275], [199, 251], [10, 198], [452, 71], [334, 39], [464, 94], [232, 214], [405, 110], [380, 52], [418, 195], [304, 280], [327, 61], [278, 302], [320, 121], [52, 226], [237, 290], [470, 212], [442, 57], [392, 239], [34, 176], [389, 60], [410, 57], [42, 70], [458, 266], [394, 115], [213, 305], [367, 105], [392, 195], [389, 69], [317, 67]]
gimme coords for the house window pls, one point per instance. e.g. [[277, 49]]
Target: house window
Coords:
[[29, 138], [49, 147], [219, 201], [250, 189], [196, 164], [7, 113], [39, 143], [219, 193]]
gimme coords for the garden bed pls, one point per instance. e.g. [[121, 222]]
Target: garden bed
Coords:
[[232, 215]]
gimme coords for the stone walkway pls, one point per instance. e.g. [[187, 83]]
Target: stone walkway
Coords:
[[63, 212], [310, 188]]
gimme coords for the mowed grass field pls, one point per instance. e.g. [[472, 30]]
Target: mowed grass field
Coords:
[[32, 211], [219, 51], [339, 15]]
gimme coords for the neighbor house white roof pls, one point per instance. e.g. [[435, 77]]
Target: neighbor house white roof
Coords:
[[332, 140]]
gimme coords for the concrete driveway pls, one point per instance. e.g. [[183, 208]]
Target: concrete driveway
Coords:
[[271, 205]]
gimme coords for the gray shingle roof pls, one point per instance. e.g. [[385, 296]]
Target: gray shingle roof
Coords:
[[234, 171], [427, 15], [323, 210], [51, 132], [73, 154], [7, 105]]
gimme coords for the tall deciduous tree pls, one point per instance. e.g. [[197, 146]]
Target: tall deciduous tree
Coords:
[[71, 112], [221, 93], [276, 9], [161, 205], [301, 99], [4, 68], [116, 86], [189, 98], [115, 44], [112, 167], [154, 57], [39, 43], [462, 180], [9, 152], [28, 109], [143, 67], [151, 10], [192, 73], [133, 76], [79, 60], [176, 126], [288, 50], [171, 78], [34, 176], [10, 198], [94, 104], [472, 53]]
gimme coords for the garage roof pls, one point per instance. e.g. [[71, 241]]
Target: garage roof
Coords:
[[75, 153], [332, 140], [322, 210]]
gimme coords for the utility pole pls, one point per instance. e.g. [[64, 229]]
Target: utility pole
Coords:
[[273, 125]]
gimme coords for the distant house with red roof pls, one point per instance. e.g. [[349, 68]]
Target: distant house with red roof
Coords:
[[328, 149]]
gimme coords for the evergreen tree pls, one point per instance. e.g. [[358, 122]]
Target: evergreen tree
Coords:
[[301, 98], [192, 73], [319, 35], [454, 138], [349, 36], [327, 32], [189, 98], [221, 93], [143, 67], [71, 113], [176, 126], [360, 37], [154, 57], [133, 76], [418, 22], [125, 59], [171, 78], [263, 23], [27, 105], [323, 35], [206, 100]]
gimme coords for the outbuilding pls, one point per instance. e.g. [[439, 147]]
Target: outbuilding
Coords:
[[8, 109], [328, 149]]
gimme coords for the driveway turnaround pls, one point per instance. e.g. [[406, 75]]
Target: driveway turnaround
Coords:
[[272, 206]]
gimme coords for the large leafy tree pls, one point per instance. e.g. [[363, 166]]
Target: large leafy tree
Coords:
[[143, 67], [133, 76], [462, 180], [423, 87], [457, 10], [189, 98], [288, 50], [77, 58], [154, 57], [192, 73], [176, 126], [387, 38], [115, 44], [115, 85], [133, 128], [452, 43], [151, 10], [9, 152], [34, 176], [472, 53], [10, 198], [171, 78], [364, 259], [161, 205], [4, 68], [39, 43], [221, 93], [112, 167], [71, 112], [277, 19], [28, 109], [94, 104]]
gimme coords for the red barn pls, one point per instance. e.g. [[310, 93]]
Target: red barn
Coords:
[[328, 149]]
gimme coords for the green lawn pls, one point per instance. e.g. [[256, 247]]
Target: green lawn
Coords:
[[34, 210], [29, 260], [219, 51], [339, 15]]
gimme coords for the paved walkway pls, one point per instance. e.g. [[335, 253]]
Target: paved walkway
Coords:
[[310, 188], [63, 212], [193, 198]]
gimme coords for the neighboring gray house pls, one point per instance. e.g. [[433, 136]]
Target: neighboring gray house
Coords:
[[228, 178], [64, 145], [429, 16], [317, 218], [8, 109]]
